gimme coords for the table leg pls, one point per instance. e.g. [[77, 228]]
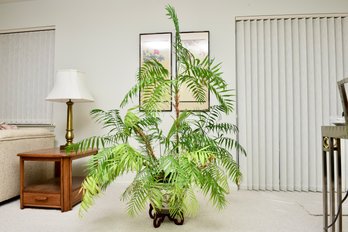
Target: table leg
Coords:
[[324, 175], [66, 184], [56, 169], [332, 183], [21, 181], [339, 183]]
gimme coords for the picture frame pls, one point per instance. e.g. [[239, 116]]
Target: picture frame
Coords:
[[198, 43], [158, 46]]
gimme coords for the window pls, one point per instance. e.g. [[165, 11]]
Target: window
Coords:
[[287, 73], [26, 76]]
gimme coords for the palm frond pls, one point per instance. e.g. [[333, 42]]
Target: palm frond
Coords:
[[109, 119], [177, 125], [195, 86], [191, 204], [211, 187], [151, 72], [200, 157], [105, 167], [230, 143], [223, 127], [137, 194], [154, 96], [173, 16], [231, 167]]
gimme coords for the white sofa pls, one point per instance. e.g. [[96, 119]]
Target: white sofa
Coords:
[[15, 141]]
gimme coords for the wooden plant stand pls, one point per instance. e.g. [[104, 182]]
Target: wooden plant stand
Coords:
[[158, 217]]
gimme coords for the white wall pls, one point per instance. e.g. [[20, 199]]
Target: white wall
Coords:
[[101, 38]]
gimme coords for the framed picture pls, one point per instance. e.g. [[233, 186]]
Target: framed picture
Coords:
[[197, 42], [157, 46]]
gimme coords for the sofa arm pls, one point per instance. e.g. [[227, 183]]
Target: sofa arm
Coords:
[[17, 141], [17, 134]]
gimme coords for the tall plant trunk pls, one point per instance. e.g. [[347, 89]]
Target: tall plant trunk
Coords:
[[177, 86], [177, 113]]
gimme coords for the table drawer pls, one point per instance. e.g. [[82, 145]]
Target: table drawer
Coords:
[[41, 199]]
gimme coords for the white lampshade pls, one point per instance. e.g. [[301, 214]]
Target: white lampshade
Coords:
[[70, 85]]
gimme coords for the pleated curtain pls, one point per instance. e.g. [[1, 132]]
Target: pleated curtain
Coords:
[[287, 73], [26, 76]]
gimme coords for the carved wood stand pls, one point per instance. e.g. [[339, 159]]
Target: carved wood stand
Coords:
[[158, 217]]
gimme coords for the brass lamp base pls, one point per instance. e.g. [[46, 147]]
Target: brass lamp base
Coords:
[[69, 136]]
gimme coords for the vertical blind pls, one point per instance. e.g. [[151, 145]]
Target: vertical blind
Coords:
[[287, 73], [26, 76]]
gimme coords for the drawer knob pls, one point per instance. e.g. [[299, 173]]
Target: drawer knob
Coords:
[[41, 198]]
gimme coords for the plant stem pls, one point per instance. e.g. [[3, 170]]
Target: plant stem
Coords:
[[177, 113], [178, 51], [148, 146]]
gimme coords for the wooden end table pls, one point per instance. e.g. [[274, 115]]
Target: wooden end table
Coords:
[[332, 174], [62, 191]]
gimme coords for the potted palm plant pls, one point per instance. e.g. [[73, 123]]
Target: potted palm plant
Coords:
[[170, 166]]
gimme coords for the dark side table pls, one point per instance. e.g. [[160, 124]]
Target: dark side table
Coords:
[[62, 191], [331, 144]]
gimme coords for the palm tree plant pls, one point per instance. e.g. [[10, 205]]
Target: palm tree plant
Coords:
[[170, 166]]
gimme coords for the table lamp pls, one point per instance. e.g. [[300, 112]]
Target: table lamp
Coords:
[[69, 87]]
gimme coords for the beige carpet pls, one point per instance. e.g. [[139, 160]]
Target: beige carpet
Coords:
[[248, 211], [313, 205]]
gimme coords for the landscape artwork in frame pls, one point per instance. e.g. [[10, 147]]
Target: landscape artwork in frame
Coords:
[[157, 46], [198, 44]]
